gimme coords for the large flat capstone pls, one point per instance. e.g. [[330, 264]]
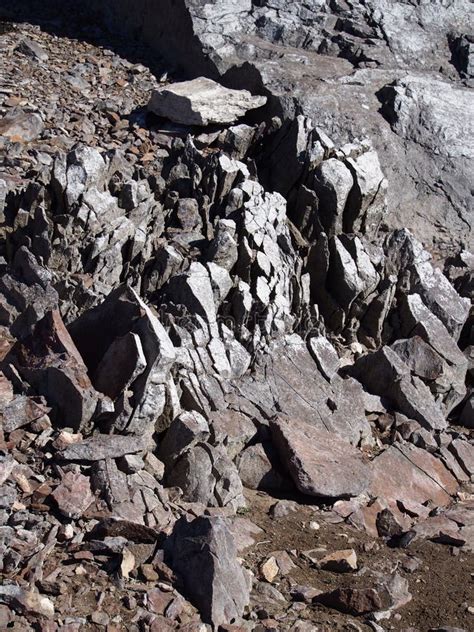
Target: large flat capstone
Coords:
[[201, 102]]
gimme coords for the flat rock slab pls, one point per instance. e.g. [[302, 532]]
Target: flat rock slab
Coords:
[[201, 102], [404, 472], [320, 463], [102, 447]]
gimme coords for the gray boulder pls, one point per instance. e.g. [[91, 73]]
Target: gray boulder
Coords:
[[204, 555], [384, 373], [207, 475]]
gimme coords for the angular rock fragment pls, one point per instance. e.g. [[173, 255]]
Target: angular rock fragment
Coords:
[[340, 561], [383, 373], [203, 553], [32, 49], [73, 496], [51, 363], [21, 127], [201, 102], [354, 601], [26, 602], [320, 463]]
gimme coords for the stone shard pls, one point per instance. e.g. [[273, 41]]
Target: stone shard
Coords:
[[51, 363], [203, 554], [202, 101], [320, 463]]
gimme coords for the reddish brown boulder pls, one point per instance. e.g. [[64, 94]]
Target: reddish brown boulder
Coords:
[[407, 473], [73, 496], [51, 363], [320, 463], [354, 601]]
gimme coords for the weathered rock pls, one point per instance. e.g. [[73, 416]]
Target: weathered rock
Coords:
[[73, 496], [201, 102], [102, 447], [260, 468], [26, 602], [384, 373], [52, 364], [203, 553], [22, 126], [340, 561], [320, 463], [354, 601], [32, 49]]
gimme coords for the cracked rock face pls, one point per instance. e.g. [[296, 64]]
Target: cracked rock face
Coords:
[[259, 279]]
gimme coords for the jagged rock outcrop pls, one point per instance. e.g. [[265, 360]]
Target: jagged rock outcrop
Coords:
[[192, 311]]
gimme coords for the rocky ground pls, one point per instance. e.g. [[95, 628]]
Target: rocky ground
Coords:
[[236, 347]]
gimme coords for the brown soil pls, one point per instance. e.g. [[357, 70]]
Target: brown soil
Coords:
[[441, 587]]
